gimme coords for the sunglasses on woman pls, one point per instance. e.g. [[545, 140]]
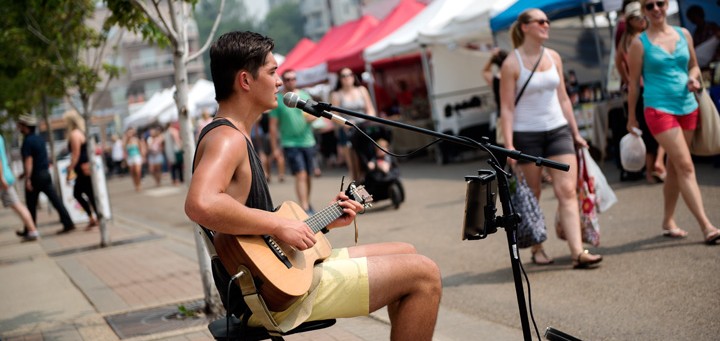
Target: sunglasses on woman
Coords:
[[540, 22], [651, 5]]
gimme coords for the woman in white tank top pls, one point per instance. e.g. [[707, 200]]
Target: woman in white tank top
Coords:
[[351, 95], [543, 124]]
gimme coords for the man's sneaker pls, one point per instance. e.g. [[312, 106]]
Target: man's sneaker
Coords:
[[31, 236], [67, 230], [21, 233]]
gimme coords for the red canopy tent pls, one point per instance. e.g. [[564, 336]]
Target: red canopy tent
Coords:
[[301, 49], [338, 39], [353, 56]]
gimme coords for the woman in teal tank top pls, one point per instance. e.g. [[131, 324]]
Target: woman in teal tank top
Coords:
[[134, 156], [664, 57]]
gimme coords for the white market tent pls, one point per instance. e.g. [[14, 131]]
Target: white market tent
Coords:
[[201, 96], [460, 101], [147, 114], [470, 25], [406, 39], [161, 107], [442, 22]]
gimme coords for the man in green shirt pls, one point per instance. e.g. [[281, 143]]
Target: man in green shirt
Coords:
[[297, 139]]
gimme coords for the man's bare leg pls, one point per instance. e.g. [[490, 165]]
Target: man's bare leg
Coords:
[[302, 190], [407, 283]]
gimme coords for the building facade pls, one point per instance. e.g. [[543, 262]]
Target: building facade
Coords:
[[147, 69]]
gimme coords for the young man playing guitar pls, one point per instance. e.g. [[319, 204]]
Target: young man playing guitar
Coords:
[[228, 194]]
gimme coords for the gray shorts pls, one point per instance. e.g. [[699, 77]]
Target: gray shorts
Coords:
[[9, 197], [558, 141]]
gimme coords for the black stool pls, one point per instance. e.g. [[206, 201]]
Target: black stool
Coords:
[[240, 331]]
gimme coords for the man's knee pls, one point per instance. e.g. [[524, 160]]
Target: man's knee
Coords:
[[430, 273], [301, 175], [400, 248]]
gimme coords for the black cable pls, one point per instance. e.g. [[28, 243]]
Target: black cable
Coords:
[[227, 304], [527, 280], [532, 317], [481, 146], [387, 151], [227, 313]]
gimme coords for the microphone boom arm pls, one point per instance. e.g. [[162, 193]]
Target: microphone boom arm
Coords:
[[496, 150]]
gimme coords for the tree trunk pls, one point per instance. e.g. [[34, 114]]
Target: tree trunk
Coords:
[[90, 146], [51, 141], [212, 299]]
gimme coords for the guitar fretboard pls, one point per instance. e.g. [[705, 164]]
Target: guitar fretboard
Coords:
[[323, 218]]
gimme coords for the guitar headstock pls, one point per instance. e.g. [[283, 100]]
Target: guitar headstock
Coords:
[[359, 194]]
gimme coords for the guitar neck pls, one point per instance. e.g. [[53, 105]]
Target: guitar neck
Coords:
[[323, 218]]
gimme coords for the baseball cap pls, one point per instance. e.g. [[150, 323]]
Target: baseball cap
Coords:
[[28, 120], [633, 9]]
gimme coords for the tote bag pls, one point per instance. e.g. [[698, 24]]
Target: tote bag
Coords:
[[531, 229], [706, 140], [587, 200]]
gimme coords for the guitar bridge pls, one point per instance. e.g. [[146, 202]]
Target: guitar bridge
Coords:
[[279, 253]]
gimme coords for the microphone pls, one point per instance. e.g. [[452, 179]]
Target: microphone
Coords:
[[292, 100]]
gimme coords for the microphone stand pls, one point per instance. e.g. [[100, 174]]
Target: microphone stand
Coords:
[[509, 220]]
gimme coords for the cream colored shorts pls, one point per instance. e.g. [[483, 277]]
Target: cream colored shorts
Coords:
[[343, 291]]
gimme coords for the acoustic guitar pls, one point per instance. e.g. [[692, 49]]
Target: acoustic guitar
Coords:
[[282, 274]]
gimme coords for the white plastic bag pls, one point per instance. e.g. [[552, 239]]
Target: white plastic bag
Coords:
[[632, 151], [604, 195]]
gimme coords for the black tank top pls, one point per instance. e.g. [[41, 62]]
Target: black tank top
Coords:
[[259, 195], [82, 159]]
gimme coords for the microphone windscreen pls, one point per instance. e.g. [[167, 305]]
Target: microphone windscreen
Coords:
[[291, 99]]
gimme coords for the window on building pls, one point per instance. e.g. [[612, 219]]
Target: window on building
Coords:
[[152, 86]]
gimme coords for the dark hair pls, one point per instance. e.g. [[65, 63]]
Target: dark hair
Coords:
[[338, 85], [233, 52], [286, 72], [516, 33], [499, 57], [695, 11]]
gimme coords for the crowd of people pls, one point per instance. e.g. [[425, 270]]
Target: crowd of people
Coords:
[[156, 150], [152, 151], [253, 127]]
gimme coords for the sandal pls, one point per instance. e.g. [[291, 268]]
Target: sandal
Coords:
[[547, 261], [659, 177], [676, 233], [713, 238], [91, 224], [585, 264]]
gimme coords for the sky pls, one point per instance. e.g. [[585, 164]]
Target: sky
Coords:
[[257, 8]]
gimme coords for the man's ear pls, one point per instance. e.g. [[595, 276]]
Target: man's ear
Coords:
[[242, 80]]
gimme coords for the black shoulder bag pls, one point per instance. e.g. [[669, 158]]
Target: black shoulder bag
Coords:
[[542, 52]]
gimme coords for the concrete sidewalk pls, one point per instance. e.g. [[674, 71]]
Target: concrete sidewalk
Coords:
[[649, 287], [65, 287]]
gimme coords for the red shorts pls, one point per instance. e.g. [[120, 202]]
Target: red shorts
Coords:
[[660, 121]]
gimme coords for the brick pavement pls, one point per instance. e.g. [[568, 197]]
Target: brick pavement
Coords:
[[75, 285], [151, 263]]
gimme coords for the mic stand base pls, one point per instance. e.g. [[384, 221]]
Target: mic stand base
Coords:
[[510, 220]]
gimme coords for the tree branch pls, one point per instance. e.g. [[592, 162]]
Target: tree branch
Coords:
[[159, 23], [173, 17], [31, 25], [211, 35], [107, 79]]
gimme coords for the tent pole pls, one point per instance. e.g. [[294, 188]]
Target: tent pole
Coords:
[[603, 76], [371, 83], [428, 80]]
